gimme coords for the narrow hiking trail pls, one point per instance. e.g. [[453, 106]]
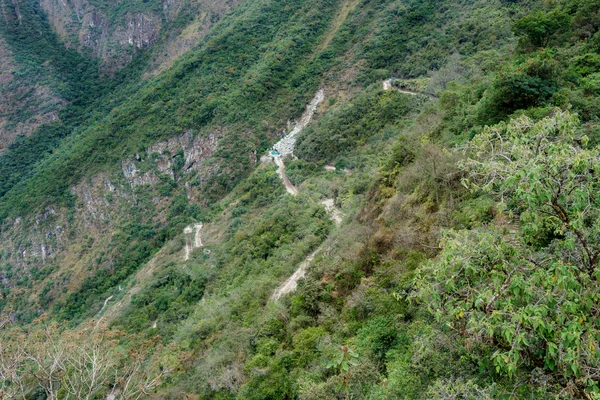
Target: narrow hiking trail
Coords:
[[285, 147], [388, 85], [198, 237], [289, 186], [292, 283]]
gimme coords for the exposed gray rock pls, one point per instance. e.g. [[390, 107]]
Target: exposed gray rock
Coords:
[[286, 145]]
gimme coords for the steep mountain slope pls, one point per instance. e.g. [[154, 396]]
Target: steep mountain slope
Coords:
[[107, 36], [84, 153], [152, 219], [114, 32], [25, 105]]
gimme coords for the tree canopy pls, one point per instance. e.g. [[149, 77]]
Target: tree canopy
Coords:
[[539, 27], [526, 292]]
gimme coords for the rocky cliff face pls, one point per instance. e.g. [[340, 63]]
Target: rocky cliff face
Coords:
[[68, 243], [95, 28], [184, 153], [114, 32]]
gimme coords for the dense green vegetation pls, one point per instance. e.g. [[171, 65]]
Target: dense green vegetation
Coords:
[[465, 265], [528, 289], [354, 124], [226, 82]]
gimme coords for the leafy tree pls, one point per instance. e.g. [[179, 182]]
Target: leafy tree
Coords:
[[528, 294], [516, 87], [345, 358], [540, 27]]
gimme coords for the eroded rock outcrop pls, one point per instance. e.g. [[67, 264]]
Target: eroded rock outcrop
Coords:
[[110, 37], [114, 35], [184, 153]]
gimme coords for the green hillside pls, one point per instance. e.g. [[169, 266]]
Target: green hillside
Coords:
[[301, 199]]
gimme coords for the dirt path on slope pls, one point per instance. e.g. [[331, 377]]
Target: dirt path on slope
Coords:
[[285, 147], [188, 249], [198, 237], [334, 212], [289, 186], [387, 85], [292, 283]]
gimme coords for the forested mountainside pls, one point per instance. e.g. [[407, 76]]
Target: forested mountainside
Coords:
[[299, 199]]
